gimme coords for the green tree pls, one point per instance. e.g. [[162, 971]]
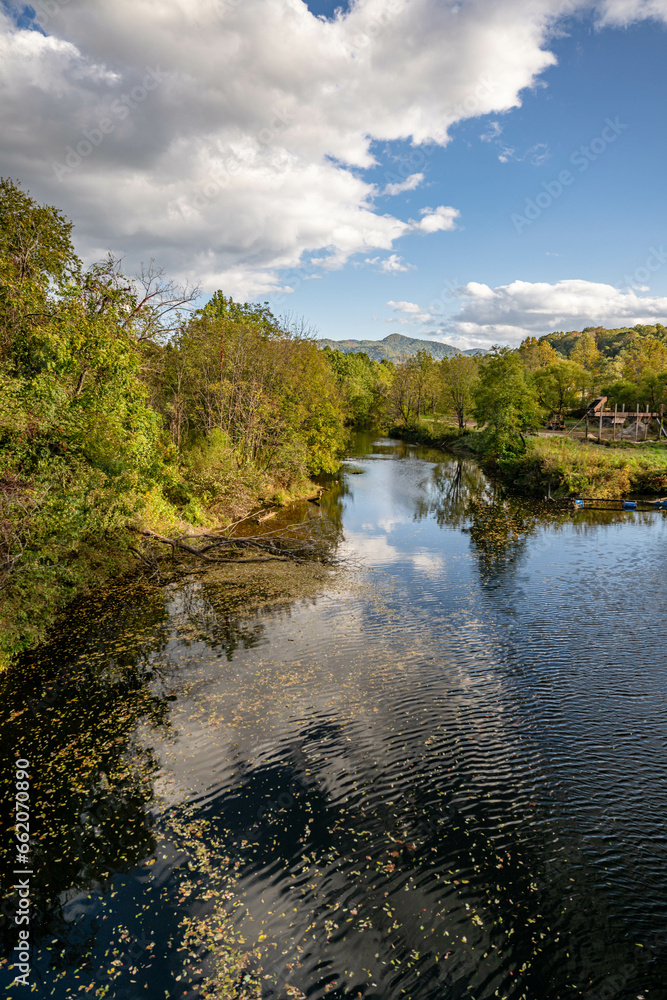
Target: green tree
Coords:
[[267, 389], [588, 357], [459, 375], [558, 385], [80, 449], [536, 354], [362, 384], [645, 357], [506, 400]]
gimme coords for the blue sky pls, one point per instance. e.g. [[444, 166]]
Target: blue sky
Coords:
[[601, 228], [261, 148]]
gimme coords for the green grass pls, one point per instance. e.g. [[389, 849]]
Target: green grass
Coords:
[[575, 468]]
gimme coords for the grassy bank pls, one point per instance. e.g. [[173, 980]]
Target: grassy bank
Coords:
[[566, 467], [572, 468]]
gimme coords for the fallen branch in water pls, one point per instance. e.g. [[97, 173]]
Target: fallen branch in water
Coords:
[[273, 546]]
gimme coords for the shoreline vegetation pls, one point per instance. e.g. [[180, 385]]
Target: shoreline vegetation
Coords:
[[561, 467], [135, 424]]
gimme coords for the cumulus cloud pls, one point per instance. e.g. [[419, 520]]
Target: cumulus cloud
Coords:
[[409, 312], [392, 264], [246, 159], [404, 307], [434, 220], [509, 313]]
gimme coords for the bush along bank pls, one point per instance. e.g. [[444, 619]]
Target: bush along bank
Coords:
[[571, 468]]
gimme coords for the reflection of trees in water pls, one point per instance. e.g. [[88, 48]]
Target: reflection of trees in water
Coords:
[[72, 709], [221, 621], [366, 444], [319, 525], [459, 495], [332, 508], [229, 612], [450, 491]]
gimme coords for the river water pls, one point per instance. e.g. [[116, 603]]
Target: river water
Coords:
[[438, 774]]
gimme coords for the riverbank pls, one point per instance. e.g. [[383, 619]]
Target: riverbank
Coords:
[[558, 465], [30, 608]]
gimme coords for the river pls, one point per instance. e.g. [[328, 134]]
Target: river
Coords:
[[438, 774]]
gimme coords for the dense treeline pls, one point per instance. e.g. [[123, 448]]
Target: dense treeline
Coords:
[[493, 406], [120, 407], [511, 392]]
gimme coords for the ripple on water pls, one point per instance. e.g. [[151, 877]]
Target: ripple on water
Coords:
[[445, 779]]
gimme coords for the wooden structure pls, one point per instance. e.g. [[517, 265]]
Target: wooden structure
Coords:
[[555, 423], [617, 418]]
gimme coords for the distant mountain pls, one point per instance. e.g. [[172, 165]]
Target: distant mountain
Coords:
[[394, 347]]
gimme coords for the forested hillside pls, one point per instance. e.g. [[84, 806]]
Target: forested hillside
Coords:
[[610, 343], [395, 347]]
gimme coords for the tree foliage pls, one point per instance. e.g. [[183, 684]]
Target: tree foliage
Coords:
[[558, 385], [459, 375], [505, 400], [80, 447]]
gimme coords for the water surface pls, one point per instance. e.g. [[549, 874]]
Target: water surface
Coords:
[[440, 775]]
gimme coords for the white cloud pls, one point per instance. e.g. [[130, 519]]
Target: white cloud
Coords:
[[508, 153], [538, 154], [436, 219], [411, 312], [245, 159], [493, 130], [404, 307], [509, 313], [624, 12], [390, 265], [409, 184]]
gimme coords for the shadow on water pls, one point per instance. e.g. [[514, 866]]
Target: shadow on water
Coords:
[[72, 709]]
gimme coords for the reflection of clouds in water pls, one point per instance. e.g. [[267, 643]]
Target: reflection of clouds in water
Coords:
[[389, 523], [375, 550], [428, 562]]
